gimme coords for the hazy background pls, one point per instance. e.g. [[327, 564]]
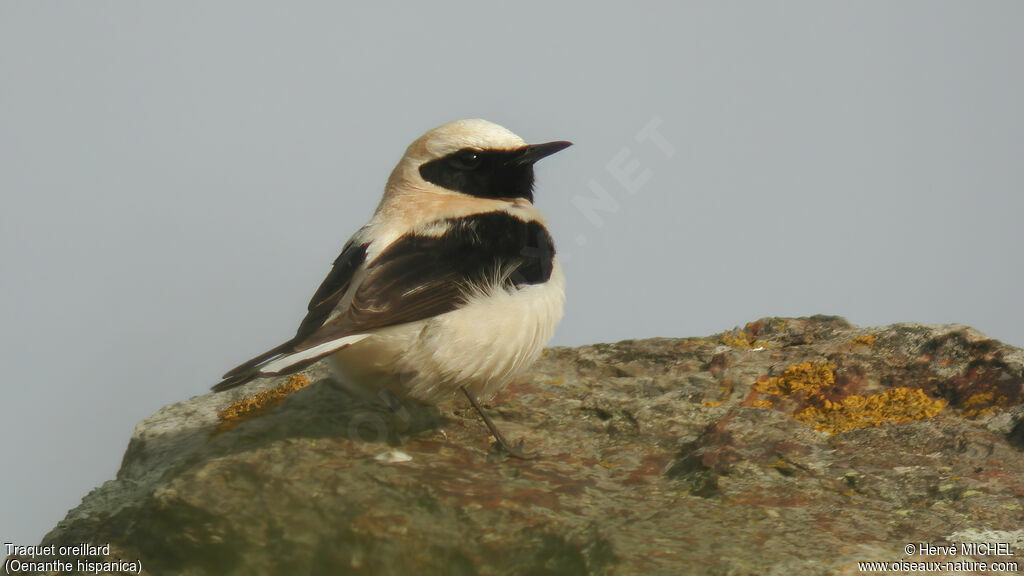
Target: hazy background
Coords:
[[176, 179]]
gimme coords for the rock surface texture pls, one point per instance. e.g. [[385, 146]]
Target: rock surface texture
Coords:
[[791, 446]]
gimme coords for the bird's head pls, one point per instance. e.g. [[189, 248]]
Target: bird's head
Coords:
[[472, 157]]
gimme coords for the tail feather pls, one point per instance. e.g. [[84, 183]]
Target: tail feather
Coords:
[[262, 358], [251, 368], [283, 359], [234, 381]]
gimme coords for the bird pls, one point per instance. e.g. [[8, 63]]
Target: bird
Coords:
[[452, 286]]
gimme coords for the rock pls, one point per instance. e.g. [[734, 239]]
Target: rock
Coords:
[[791, 446]]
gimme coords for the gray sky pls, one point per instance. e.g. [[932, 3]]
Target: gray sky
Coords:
[[177, 178]]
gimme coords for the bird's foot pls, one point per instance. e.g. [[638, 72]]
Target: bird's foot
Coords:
[[517, 450], [501, 446]]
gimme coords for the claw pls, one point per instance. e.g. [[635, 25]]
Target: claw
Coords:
[[516, 451]]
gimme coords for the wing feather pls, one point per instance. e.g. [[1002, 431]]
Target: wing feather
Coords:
[[332, 289], [418, 276], [421, 276]]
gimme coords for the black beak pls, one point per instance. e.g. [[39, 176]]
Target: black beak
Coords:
[[534, 152]]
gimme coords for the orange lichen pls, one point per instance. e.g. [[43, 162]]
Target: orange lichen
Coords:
[[737, 339], [259, 404], [746, 338], [848, 412], [980, 399], [865, 340], [855, 411], [806, 377], [983, 404], [985, 387]]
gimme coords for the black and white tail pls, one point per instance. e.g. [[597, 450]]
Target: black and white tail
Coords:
[[283, 359]]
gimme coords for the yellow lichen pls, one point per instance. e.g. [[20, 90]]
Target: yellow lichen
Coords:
[[849, 412], [980, 399], [983, 404], [855, 411], [259, 404], [865, 340], [808, 377], [737, 339]]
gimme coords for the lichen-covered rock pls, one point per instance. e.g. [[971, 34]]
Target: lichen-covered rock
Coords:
[[792, 446]]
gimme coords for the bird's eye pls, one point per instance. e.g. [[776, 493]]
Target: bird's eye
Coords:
[[465, 160]]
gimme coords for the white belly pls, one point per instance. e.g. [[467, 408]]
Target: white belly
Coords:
[[484, 345]]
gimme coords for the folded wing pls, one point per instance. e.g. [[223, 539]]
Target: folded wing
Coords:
[[418, 276]]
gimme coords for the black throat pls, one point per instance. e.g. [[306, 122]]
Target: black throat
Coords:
[[483, 173]]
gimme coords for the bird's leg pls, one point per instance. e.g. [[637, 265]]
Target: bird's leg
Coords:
[[503, 445]]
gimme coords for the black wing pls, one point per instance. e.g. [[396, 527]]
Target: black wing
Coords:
[[420, 276], [332, 289]]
